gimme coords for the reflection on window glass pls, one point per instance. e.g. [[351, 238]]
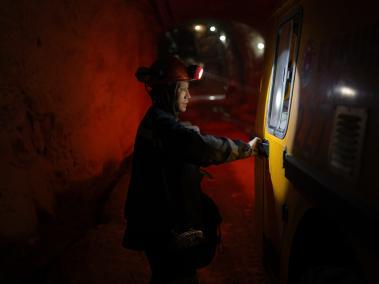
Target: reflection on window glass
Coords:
[[280, 75], [284, 65]]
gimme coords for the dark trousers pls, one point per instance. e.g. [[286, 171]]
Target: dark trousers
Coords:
[[168, 267]]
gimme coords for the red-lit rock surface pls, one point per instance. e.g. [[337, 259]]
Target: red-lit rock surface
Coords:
[[99, 258], [69, 109]]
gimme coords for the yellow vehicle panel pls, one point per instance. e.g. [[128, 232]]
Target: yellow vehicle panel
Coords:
[[331, 190]]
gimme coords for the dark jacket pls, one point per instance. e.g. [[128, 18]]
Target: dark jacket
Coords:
[[164, 190]]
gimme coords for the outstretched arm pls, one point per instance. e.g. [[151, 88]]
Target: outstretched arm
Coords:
[[189, 144]]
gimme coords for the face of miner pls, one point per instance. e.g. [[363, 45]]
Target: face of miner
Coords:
[[183, 96]]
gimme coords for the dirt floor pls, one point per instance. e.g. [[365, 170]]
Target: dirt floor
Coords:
[[99, 258]]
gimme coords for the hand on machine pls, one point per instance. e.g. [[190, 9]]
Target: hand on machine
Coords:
[[254, 144]]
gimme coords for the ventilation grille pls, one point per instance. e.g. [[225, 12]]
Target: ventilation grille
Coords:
[[347, 142]]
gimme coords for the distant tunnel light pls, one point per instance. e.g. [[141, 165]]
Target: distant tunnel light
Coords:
[[198, 28], [212, 98], [223, 38], [212, 28], [261, 45]]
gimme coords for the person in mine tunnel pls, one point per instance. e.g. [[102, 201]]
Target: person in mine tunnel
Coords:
[[168, 216]]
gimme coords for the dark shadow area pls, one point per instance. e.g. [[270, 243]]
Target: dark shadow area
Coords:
[[77, 211]]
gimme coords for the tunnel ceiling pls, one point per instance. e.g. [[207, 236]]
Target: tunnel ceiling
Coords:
[[253, 12]]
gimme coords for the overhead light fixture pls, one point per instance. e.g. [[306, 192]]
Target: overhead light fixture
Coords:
[[212, 28], [261, 45], [223, 38], [198, 28]]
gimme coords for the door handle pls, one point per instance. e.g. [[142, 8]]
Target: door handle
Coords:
[[264, 148]]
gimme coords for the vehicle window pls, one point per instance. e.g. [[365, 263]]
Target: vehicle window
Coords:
[[283, 77]]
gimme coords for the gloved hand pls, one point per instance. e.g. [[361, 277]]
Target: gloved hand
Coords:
[[254, 145]]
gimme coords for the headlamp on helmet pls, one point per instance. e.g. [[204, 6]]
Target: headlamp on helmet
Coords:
[[195, 72]]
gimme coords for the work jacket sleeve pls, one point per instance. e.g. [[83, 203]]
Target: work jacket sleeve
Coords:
[[187, 143]]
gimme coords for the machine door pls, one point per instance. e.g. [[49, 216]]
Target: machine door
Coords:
[[277, 114]]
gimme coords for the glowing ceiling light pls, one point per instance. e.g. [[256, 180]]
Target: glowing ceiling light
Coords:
[[197, 28], [212, 28], [261, 45], [223, 38], [212, 98]]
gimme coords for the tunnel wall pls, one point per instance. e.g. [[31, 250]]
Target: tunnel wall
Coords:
[[69, 109], [245, 65]]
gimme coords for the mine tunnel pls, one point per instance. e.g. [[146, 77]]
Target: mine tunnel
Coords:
[[70, 108], [71, 105]]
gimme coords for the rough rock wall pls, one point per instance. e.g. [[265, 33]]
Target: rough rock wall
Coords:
[[69, 108]]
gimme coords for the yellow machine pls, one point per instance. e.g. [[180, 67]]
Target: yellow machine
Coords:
[[317, 192]]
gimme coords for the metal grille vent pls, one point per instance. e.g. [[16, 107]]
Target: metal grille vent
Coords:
[[347, 142]]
